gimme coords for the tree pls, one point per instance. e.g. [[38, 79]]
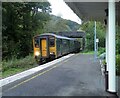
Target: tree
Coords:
[[21, 21], [58, 24], [118, 39], [88, 27]]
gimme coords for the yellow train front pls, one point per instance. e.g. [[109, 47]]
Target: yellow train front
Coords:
[[49, 46]]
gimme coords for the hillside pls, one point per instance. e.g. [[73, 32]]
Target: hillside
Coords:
[[57, 24]]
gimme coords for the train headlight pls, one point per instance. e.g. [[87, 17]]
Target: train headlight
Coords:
[[37, 53], [52, 53]]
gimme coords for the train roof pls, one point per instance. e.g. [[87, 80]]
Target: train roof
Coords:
[[57, 36]]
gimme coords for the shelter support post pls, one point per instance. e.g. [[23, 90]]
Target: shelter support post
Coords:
[[106, 46], [106, 67], [111, 49]]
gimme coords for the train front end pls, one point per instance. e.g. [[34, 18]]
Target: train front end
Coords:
[[44, 48]]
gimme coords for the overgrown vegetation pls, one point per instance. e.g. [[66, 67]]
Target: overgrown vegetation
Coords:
[[118, 64], [101, 50], [14, 65], [57, 24], [88, 27], [20, 22]]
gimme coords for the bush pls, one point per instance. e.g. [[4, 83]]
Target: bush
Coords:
[[118, 64], [101, 50], [102, 56], [18, 63]]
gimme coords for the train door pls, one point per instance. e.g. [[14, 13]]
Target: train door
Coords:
[[44, 47]]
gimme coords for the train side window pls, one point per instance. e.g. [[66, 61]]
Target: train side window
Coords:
[[37, 43], [52, 41]]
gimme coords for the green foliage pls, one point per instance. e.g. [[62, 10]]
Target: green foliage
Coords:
[[18, 63], [20, 22], [14, 65], [101, 50], [73, 25], [87, 52], [118, 64], [118, 39], [104, 62], [118, 49], [58, 24], [12, 71], [88, 27]]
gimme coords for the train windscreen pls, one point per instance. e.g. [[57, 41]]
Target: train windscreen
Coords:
[[36, 42], [51, 41]]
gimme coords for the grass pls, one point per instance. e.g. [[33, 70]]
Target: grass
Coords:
[[87, 52], [90, 52], [14, 65], [11, 71], [100, 51]]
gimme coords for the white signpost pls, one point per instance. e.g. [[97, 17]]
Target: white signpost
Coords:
[[97, 41]]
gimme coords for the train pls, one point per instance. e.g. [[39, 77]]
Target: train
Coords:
[[48, 46]]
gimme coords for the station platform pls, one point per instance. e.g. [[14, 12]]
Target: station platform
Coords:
[[78, 75]]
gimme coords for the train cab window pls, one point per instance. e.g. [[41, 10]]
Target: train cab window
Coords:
[[51, 41], [36, 42]]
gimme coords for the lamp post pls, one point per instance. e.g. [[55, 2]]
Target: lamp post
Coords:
[[95, 52]]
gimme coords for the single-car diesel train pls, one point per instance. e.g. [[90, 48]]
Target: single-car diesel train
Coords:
[[49, 46]]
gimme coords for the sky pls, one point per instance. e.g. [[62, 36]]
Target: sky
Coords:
[[60, 8]]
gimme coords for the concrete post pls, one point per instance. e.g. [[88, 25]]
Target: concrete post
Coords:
[[106, 46], [111, 45]]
